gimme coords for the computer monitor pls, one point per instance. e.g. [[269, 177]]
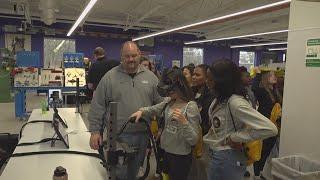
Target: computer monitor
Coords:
[[60, 131], [57, 116], [55, 98]]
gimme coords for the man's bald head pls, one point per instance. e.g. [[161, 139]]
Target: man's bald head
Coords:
[[129, 45], [130, 56]]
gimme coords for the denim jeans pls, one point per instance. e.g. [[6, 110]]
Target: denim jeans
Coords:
[[136, 140], [227, 165]]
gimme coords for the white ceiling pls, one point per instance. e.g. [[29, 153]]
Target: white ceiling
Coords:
[[162, 14]]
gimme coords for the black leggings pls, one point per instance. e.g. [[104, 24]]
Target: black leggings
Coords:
[[266, 149], [177, 166]]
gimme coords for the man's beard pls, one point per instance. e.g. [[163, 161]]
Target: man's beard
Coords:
[[131, 67]]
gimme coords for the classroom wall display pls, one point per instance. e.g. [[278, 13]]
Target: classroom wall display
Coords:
[[51, 77], [157, 60], [53, 49], [192, 56], [73, 60], [26, 77], [18, 42], [176, 63], [71, 75], [28, 59]]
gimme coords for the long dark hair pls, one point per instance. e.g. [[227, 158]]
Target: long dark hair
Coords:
[[143, 58], [227, 79], [203, 67], [176, 77], [274, 93], [190, 68]]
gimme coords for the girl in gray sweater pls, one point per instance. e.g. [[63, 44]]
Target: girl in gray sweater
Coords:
[[181, 127], [233, 122]]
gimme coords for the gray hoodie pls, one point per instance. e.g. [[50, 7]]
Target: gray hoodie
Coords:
[[250, 124], [177, 138], [130, 93]]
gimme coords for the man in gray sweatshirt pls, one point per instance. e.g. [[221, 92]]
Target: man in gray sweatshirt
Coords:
[[131, 86]]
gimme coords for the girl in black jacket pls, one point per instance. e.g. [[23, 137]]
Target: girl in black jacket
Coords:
[[264, 88], [203, 96]]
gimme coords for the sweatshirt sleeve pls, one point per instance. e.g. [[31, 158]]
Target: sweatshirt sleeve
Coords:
[[191, 130], [155, 109], [256, 127], [98, 106]]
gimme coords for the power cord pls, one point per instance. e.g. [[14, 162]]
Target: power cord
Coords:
[[96, 155], [38, 142], [32, 122]]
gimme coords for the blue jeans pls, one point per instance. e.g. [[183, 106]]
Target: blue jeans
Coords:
[[136, 140], [226, 165]]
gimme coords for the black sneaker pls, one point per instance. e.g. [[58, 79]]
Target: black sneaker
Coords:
[[247, 174]]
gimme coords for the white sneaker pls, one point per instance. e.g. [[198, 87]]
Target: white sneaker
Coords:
[[140, 172]]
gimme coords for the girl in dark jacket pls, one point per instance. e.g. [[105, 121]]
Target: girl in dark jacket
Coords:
[[203, 96], [264, 88]]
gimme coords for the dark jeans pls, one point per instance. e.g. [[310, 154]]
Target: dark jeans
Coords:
[[177, 166], [266, 149]]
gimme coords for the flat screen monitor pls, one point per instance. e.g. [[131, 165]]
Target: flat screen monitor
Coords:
[[57, 116], [60, 131]]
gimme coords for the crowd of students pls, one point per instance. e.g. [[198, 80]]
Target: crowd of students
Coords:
[[206, 115], [222, 106]]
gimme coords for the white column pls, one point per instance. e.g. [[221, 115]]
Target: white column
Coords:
[[300, 133]]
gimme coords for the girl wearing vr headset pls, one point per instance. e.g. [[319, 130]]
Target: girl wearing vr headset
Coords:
[[181, 126]]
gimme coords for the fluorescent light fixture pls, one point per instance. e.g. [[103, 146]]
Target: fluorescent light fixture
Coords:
[[258, 44], [236, 37], [214, 19], [82, 16], [277, 49], [59, 46]]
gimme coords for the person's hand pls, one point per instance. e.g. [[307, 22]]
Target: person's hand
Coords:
[[137, 114], [177, 115], [95, 141], [158, 134], [234, 145]]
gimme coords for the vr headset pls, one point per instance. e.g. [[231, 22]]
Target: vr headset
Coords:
[[169, 81]]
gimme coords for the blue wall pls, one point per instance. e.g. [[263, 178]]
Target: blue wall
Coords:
[[88, 44], [2, 42]]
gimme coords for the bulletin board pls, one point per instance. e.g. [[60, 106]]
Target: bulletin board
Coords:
[[71, 75]]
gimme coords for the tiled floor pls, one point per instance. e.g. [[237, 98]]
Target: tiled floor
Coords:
[[8, 122]]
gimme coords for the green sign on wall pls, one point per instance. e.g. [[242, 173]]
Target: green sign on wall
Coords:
[[313, 53]]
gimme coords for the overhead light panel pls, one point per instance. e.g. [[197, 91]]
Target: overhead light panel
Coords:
[[258, 44], [82, 16], [280, 3], [59, 46], [236, 37], [277, 49]]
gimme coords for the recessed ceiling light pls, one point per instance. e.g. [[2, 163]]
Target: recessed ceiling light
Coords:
[[258, 44], [82, 16], [236, 37]]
